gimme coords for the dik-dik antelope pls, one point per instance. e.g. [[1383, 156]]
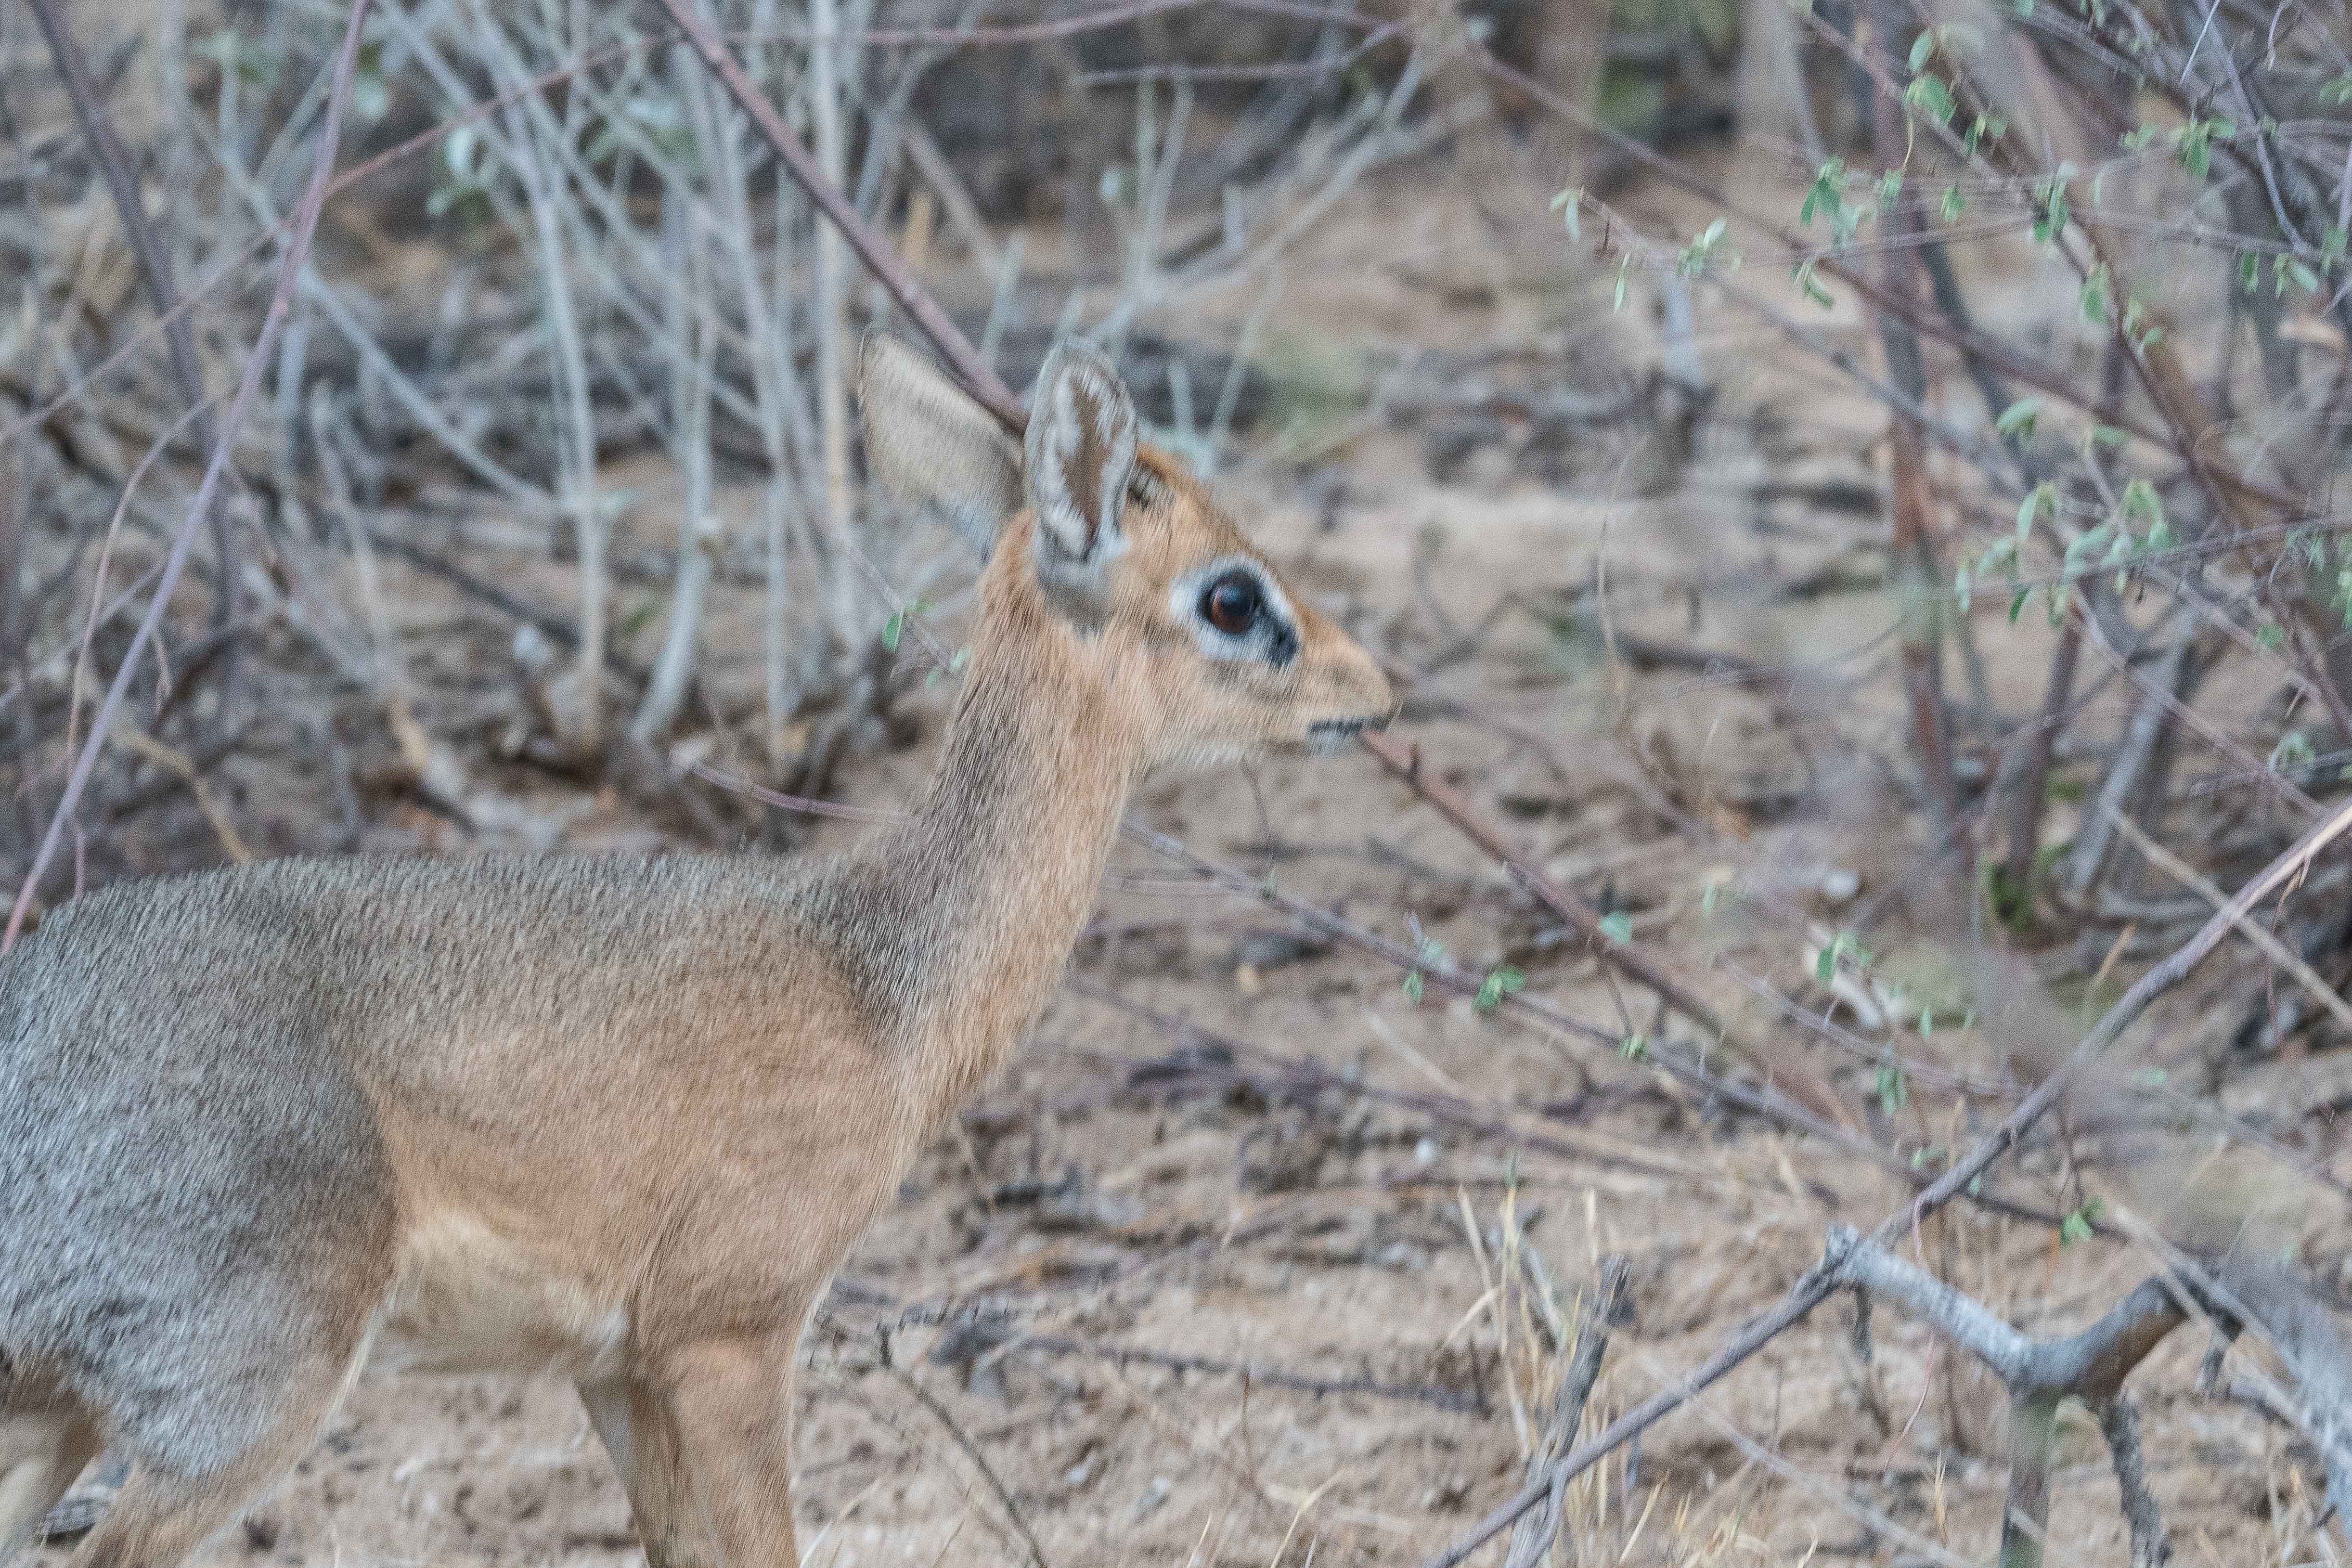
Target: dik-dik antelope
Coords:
[[619, 1120]]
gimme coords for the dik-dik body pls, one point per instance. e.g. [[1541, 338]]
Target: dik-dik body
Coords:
[[618, 1120]]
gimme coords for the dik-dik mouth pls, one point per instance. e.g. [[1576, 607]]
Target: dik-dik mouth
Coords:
[[1330, 735]]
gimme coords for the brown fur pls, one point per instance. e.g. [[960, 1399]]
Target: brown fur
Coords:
[[619, 1120]]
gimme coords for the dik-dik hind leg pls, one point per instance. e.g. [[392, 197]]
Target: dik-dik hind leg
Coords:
[[704, 1443], [162, 1513], [42, 1449]]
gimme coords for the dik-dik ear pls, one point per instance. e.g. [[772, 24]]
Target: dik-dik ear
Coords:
[[1081, 456], [931, 445]]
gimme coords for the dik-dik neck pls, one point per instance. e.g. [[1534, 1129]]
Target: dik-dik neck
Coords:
[[992, 876]]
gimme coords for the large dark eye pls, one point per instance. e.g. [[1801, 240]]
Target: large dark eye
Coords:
[[1231, 602]]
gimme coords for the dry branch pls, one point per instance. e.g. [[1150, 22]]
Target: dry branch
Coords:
[[2090, 1366], [1532, 1537]]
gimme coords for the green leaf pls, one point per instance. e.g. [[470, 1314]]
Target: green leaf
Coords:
[[2018, 604], [1930, 97], [2078, 1226], [1892, 1089], [1954, 203], [2337, 93], [2092, 298], [1617, 926], [2052, 196], [2248, 269], [1825, 965], [2017, 421], [1923, 48], [1497, 985], [890, 629], [1633, 1047], [1412, 986], [2039, 501], [1570, 205]]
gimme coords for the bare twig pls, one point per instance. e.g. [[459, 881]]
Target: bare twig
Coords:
[[2039, 1374], [2271, 947]]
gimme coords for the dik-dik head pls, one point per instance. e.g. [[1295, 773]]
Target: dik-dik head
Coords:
[[1127, 556]]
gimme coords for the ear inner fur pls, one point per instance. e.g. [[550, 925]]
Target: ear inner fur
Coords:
[[1081, 450]]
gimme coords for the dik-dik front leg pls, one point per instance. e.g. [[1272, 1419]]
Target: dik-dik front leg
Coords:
[[703, 1443]]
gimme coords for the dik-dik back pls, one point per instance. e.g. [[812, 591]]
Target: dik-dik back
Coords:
[[617, 1119]]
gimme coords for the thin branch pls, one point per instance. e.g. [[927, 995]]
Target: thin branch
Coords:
[[984, 383]]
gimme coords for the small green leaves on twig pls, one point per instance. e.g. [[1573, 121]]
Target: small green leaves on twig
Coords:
[[1500, 983], [1825, 963], [1894, 1090], [1709, 247], [1426, 950], [896, 626]]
